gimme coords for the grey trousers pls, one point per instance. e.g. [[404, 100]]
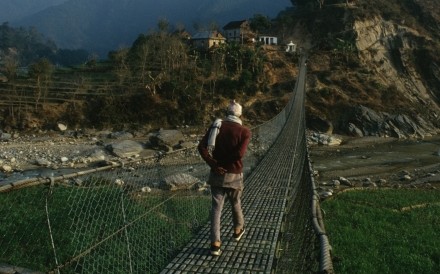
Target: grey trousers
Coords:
[[218, 199]]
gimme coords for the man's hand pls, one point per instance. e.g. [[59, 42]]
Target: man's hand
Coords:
[[219, 170]]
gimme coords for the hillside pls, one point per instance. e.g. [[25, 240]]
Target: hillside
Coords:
[[373, 70], [159, 82], [103, 25], [374, 67]]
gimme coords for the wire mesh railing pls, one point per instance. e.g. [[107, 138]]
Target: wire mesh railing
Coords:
[[131, 217], [134, 216]]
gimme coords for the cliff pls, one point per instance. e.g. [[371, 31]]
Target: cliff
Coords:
[[372, 74]]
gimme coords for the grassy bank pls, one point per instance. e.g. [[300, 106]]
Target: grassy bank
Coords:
[[96, 230], [385, 231]]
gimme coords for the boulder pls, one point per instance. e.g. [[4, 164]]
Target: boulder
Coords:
[[6, 168], [5, 136], [126, 148], [324, 139], [97, 155], [61, 127], [354, 130], [181, 181], [43, 162], [120, 135], [345, 181], [166, 139]]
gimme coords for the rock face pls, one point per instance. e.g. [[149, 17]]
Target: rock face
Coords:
[[387, 85], [388, 48], [367, 122]]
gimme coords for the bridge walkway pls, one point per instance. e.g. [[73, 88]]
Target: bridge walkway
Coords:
[[265, 198]]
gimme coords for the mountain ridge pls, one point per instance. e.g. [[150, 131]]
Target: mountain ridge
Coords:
[[13, 10], [103, 25]]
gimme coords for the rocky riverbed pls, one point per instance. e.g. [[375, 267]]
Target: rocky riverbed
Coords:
[[50, 153], [339, 162], [372, 162]]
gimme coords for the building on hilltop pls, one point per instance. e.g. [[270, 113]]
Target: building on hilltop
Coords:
[[239, 31], [207, 39], [268, 40]]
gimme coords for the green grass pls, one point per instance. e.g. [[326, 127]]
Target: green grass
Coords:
[[86, 225], [379, 232]]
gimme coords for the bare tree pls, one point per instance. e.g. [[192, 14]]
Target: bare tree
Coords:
[[154, 82], [10, 65], [41, 71], [122, 69], [163, 26]]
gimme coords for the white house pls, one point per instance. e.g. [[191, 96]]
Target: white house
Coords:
[[268, 40], [238, 31]]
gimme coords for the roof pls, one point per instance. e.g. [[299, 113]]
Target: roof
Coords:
[[234, 24], [207, 35]]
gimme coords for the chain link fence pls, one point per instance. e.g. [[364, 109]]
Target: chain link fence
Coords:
[[131, 217]]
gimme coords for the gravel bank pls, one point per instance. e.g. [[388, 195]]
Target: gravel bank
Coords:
[[363, 161], [378, 162]]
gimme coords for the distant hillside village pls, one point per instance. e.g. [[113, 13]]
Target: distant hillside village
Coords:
[[234, 31], [239, 32]]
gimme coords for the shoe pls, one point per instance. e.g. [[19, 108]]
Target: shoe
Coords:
[[215, 250], [237, 237]]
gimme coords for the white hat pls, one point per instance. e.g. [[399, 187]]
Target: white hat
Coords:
[[234, 108]]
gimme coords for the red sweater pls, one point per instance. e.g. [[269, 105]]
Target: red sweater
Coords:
[[230, 147]]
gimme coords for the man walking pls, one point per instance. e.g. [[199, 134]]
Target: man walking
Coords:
[[223, 147]]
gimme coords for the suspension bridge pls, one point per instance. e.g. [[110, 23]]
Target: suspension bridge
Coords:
[[120, 219]]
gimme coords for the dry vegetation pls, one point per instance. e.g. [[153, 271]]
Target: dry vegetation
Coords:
[[379, 54], [105, 96]]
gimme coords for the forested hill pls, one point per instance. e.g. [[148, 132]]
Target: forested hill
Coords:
[[24, 46]]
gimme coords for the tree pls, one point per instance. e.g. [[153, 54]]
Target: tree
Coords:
[[138, 58], [30, 44], [11, 64], [163, 26], [120, 62], [41, 71], [260, 23]]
